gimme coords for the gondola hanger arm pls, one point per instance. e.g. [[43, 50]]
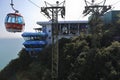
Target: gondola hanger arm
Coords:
[[12, 5]]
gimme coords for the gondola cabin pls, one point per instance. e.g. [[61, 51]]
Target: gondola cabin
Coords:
[[14, 22]]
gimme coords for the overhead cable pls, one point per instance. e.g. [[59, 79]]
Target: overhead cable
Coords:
[[116, 3], [34, 4]]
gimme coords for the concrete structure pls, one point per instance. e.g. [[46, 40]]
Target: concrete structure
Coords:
[[66, 29], [111, 17]]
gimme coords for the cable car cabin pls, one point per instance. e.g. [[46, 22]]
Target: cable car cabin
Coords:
[[31, 50], [14, 22], [34, 36], [35, 44]]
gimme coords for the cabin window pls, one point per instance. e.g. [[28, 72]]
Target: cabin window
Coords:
[[49, 37], [73, 28], [20, 20], [26, 38], [35, 38], [49, 30], [64, 28]]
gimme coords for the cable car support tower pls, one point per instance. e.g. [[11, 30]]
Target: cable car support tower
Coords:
[[52, 11], [96, 8]]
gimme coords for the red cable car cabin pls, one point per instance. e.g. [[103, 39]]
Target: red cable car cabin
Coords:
[[14, 22]]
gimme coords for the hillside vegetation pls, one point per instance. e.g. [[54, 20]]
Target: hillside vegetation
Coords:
[[86, 57]]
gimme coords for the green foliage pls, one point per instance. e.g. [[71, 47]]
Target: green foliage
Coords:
[[97, 64], [16, 65], [36, 71]]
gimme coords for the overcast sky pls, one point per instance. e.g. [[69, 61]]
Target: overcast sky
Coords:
[[31, 13]]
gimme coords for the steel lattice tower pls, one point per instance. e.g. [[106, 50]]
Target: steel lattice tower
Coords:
[[52, 12], [96, 9]]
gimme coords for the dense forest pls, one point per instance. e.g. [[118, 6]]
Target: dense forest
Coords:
[[93, 56]]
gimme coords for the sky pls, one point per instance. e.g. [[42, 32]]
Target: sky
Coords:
[[31, 13]]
